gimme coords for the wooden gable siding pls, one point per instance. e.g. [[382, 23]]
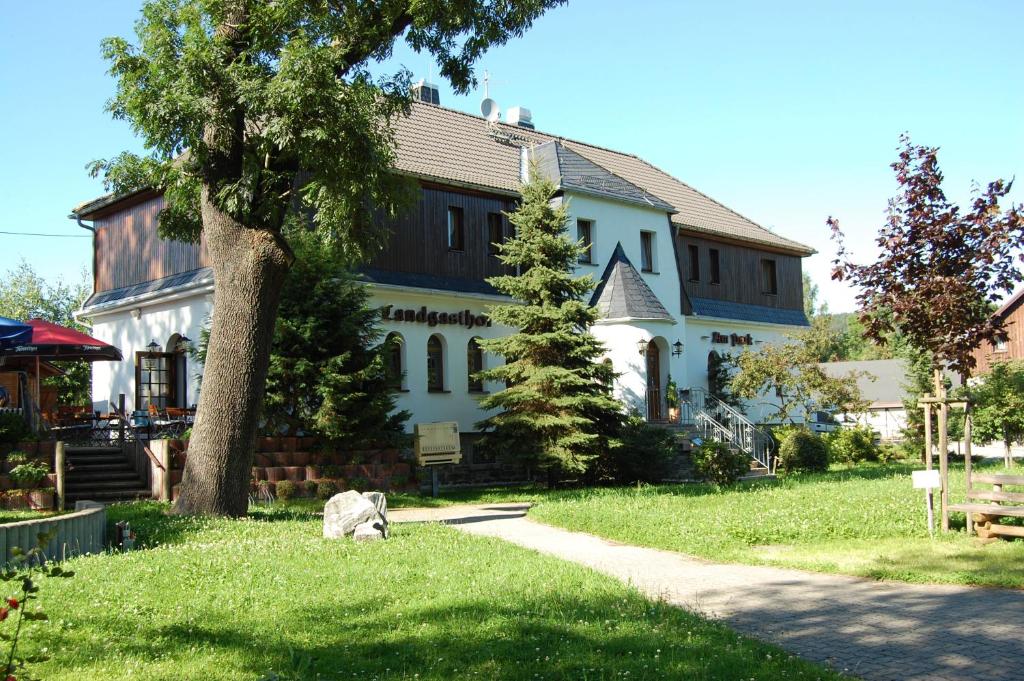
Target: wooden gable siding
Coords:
[[129, 251], [417, 242], [987, 355], [740, 274]]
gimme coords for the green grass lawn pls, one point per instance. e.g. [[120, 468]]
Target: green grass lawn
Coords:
[[16, 516], [866, 521], [235, 599]]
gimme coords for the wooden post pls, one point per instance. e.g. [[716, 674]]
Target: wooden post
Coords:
[[967, 460], [58, 463], [166, 458], [928, 435], [121, 419], [940, 392]]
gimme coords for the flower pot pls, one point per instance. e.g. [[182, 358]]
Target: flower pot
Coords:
[[41, 499], [16, 502], [673, 414]]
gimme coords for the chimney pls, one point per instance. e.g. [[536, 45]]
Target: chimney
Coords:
[[426, 92], [519, 115]]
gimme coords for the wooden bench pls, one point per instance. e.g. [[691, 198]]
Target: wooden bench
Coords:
[[1002, 505]]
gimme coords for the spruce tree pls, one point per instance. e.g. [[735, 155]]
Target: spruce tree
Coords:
[[556, 411], [327, 376]]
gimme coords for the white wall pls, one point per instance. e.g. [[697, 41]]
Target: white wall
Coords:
[[888, 423], [184, 316], [699, 345], [457, 403], [622, 222]]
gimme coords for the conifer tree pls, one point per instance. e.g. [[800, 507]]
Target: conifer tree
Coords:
[[557, 411], [327, 374]]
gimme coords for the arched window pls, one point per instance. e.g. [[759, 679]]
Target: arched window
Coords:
[[435, 364], [394, 346], [474, 364]]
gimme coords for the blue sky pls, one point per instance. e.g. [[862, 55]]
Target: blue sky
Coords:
[[787, 112]]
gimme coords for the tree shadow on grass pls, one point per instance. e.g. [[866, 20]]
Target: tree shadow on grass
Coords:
[[553, 636]]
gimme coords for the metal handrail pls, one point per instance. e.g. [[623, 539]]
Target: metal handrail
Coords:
[[724, 423]]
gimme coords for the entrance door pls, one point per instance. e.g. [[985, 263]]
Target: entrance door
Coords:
[[654, 410]]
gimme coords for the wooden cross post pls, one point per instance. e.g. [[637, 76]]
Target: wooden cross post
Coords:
[[944, 405], [940, 392]]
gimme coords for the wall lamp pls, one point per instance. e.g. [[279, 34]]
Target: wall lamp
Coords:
[[641, 345], [677, 348]]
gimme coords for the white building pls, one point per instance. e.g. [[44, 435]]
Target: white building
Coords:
[[680, 276]]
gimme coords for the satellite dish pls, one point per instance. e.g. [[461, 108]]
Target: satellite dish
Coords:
[[489, 108]]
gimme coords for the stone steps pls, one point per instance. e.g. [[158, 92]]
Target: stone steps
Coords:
[[102, 474]]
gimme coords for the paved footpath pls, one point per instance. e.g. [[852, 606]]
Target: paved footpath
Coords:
[[869, 629]]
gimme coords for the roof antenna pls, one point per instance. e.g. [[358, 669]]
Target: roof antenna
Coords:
[[488, 107]]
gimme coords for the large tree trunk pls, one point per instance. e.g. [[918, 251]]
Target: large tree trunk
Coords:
[[249, 267]]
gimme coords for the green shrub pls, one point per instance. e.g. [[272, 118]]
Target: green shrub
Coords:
[[286, 490], [359, 483], [13, 429], [853, 445], [309, 487], [29, 475], [802, 450], [17, 457], [720, 464], [644, 453], [325, 489]]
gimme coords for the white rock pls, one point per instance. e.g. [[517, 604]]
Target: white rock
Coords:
[[368, 531], [380, 503], [344, 511]]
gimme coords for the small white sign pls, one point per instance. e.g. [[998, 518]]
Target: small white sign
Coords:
[[926, 479]]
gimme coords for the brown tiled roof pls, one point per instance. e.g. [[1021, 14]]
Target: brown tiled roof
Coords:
[[448, 145]]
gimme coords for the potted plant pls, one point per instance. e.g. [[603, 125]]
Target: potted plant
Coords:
[[29, 475], [672, 400]]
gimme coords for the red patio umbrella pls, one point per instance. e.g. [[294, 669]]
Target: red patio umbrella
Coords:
[[53, 342]]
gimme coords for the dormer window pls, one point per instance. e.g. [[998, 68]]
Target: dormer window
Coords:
[[646, 251], [715, 271], [769, 279], [585, 236], [456, 229]]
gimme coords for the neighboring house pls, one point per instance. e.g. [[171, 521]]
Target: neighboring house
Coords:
[[883, 387], [1011, 344], [680, 276]]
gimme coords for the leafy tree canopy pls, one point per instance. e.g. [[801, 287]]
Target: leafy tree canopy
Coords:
[[998, 405], [791, 372], [940, 267], [271, 108]]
